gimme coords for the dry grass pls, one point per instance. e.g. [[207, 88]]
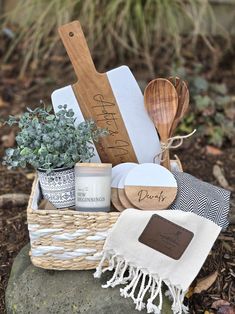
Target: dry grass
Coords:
[[114, 28]]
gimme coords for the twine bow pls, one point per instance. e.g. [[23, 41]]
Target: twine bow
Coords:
[[169, 144]]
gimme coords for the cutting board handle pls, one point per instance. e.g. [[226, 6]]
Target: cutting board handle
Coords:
[[76, 46]]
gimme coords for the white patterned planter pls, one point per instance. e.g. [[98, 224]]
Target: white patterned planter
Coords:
[[58, 186]]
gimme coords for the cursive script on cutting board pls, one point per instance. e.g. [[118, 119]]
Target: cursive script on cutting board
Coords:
[[108, 116], [146, 195]]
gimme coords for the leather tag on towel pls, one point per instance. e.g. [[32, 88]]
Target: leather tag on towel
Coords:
[[166, 237]]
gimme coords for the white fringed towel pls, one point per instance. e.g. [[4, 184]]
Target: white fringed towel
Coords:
[[143, 269]]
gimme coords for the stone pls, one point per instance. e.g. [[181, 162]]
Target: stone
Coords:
[[32, 290]]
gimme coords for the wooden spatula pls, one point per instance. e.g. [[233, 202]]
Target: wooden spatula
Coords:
[[161, 102], [183, 100]]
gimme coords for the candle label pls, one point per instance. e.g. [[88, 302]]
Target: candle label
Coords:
[[93, 192]]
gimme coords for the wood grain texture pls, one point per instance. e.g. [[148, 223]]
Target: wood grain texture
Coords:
[[183, 100], [161, 101], [96, 98], [115, 200], [124, 200], [151, 198]]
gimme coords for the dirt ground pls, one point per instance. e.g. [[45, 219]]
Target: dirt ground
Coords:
[[197, 159]]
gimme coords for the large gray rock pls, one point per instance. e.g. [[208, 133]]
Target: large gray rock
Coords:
[[32, 290]]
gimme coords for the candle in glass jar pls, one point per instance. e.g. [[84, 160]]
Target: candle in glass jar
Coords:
[[92, 186]]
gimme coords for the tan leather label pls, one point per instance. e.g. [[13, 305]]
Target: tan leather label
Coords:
[[166, 237]]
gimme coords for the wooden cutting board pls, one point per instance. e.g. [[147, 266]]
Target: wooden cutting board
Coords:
[[113, 99]]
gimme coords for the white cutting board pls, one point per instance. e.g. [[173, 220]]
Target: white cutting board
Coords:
[[136, 128]]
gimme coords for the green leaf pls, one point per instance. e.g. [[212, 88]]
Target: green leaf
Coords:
[[42, 150], [201, 84], [216, 136], [50, 118], [49, 108], [15, 164], [10, 152], [222, 101], [25, 151], [219, 88], [51, 141], [202, 102]]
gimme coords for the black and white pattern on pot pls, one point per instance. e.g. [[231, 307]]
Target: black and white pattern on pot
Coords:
[[58, 187], [201, 198]]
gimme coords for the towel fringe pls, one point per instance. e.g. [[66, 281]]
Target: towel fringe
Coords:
[[130, 276], [119, 278], [138, 277], [98, 271], [115, 274], [124, 292], [133, 290], [111, 264], [143, 290]]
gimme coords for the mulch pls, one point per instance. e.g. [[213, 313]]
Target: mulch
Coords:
[[13, 230]]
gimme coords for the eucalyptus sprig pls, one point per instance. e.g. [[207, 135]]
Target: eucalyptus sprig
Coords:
[[50, 141]]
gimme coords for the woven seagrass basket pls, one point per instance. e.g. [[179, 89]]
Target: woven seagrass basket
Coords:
[[67, 239]]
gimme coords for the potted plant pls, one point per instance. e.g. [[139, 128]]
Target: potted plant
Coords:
[[52, 144]]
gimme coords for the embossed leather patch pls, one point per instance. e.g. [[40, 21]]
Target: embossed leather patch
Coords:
[[166, 237]]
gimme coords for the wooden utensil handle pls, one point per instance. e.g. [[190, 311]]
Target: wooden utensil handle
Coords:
[[166, 159], [75, 44]]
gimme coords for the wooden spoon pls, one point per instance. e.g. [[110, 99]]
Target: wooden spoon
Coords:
[[161, 102], [183, 100]]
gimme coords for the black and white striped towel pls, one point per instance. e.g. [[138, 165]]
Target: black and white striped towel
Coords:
[[201, 198]]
